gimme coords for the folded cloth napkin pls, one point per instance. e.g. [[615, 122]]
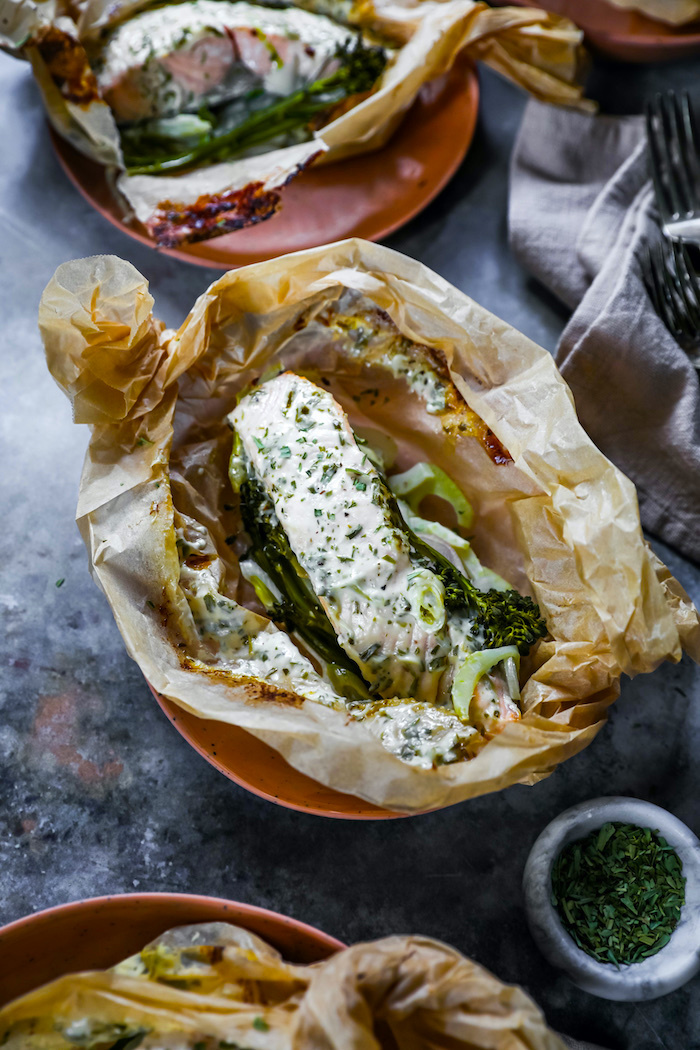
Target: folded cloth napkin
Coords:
[[581, 207]]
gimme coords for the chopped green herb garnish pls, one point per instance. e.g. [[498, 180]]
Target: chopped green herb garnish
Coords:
[[59, 583], [261, 1024], [619, 892]]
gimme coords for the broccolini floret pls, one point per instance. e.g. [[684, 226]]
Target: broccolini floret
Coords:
[[501, 618]]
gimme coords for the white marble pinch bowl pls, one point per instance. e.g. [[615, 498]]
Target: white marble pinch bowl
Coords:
[[674, 964]]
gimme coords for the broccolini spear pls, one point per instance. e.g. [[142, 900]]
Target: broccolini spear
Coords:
[[298, 608], [362, 66]]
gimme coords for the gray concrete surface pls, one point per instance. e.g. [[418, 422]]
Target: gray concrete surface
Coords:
[[99, 794]]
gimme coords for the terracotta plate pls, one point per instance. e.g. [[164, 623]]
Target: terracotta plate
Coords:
[[257, 767], [95, 934], [368, 196], [626, 35]]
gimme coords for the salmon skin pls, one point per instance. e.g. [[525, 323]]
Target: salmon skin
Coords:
[[177, 58]]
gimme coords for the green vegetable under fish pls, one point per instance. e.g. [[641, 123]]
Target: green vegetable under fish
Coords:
[[294, 604], [205, 81], [162, 146]]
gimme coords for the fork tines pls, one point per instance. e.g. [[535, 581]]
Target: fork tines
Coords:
[[674, 287], [675, 162]]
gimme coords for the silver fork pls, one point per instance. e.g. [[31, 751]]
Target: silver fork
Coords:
[[675, 165], [673, 284]]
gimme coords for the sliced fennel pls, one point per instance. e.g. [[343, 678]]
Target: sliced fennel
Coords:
[[473, 668], [425, 479], [266, 591], [449, 543], [379, 446], [426, 596], [466, 560], [160, 135]]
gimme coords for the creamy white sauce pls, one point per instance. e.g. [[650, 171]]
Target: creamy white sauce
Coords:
[[387, 612], [422, 379], [421, 734]]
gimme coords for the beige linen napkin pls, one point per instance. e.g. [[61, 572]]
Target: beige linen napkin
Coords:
[[580, 209]]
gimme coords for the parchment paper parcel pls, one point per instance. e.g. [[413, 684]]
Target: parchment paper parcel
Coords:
[[560, 522]]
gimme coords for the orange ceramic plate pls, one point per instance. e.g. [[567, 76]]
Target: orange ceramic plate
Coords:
[[97, 933], [259, 768], [626, 35], [368, 196]]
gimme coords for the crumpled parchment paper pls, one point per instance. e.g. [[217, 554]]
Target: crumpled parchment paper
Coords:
[[410, 992], [674, 12], [539, 51], [560, 522]]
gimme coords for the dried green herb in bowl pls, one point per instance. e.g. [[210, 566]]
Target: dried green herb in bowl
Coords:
[[619, 892]]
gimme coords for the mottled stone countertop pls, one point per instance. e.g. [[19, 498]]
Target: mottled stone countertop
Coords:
[[99, 794]]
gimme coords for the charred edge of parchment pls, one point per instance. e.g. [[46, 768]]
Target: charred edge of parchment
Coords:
[[173, 225], [68, 65], [496, 450], [211, 215], [254, 690], [199, 561]]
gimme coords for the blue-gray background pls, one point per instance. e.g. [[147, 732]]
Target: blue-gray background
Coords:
[[99, 794]]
